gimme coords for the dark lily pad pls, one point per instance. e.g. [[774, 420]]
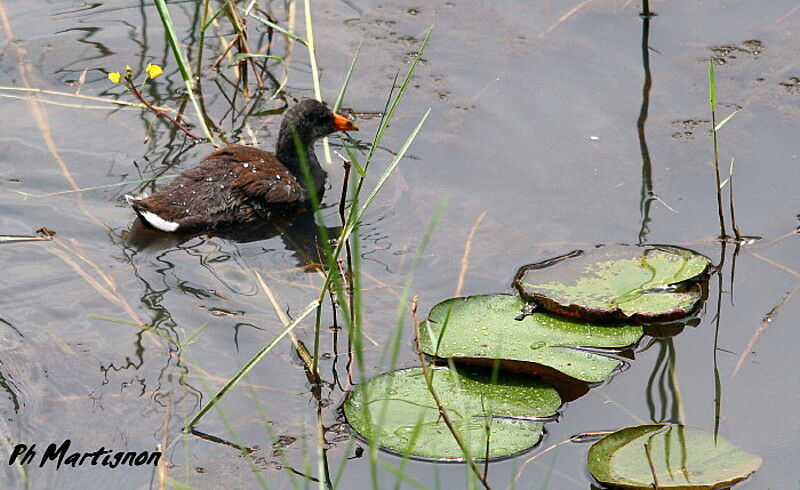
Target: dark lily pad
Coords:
[[397, 412], [681, 458], [482, 329], [641, 284]]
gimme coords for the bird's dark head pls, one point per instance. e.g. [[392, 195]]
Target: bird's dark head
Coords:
[[312, 119]]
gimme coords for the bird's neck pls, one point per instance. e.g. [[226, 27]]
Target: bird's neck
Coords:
[[287, 153]]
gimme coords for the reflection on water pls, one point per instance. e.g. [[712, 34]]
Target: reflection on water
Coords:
[[110, 335], [647, 193], [298, 231]]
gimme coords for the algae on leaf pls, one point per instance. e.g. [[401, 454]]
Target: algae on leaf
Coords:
[[642, 284]]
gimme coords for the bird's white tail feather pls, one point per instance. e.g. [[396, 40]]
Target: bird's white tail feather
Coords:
[[157, 221]]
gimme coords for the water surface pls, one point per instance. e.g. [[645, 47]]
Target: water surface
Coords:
[[544, 130]]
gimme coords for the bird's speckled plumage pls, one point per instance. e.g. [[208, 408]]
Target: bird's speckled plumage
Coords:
[[241, 184]]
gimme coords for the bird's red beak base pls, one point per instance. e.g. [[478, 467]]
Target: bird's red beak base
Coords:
[[342, 123]]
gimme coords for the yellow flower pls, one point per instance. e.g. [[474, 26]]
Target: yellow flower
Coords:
[[154, 70], [115, 77], [128, 69]]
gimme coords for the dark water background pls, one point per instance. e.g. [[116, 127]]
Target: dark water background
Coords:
[[533, 126]]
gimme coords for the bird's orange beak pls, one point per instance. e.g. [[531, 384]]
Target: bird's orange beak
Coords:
[[342, 123]]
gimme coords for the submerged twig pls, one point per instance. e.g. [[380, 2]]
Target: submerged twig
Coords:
[[79, 96], [163, 464], [40, 114], [465, 257], [106, 287], [563, 18], [251, 363], [764, 322], [536, 456], [285, 320], [785, 236], [787, 14], [778, 265], [93, 188]]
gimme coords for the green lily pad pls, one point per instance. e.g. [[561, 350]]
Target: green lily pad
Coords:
[[482, 329], [641, 284], [397, 411], [681, 458]]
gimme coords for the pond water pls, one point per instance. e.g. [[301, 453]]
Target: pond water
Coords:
[[545, 135]]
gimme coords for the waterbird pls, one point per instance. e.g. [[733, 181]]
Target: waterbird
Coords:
[[239, 184]]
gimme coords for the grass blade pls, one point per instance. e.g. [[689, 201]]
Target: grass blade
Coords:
[[355, 216], [353, 159], [712, 85], [312, 59], [712, 98], [400, 154], [312, 54], [277, 28], [340, 97], [722, 123], [393, 106], [251, 363], [183, 66], [23, 238]]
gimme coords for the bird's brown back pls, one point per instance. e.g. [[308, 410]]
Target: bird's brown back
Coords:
[[233, 184]]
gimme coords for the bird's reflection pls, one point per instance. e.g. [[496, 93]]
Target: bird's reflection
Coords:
[[298, 230]]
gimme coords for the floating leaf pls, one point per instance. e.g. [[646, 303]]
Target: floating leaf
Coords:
[[397, 411], [643, 284], [481, 329], [680, 457]]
